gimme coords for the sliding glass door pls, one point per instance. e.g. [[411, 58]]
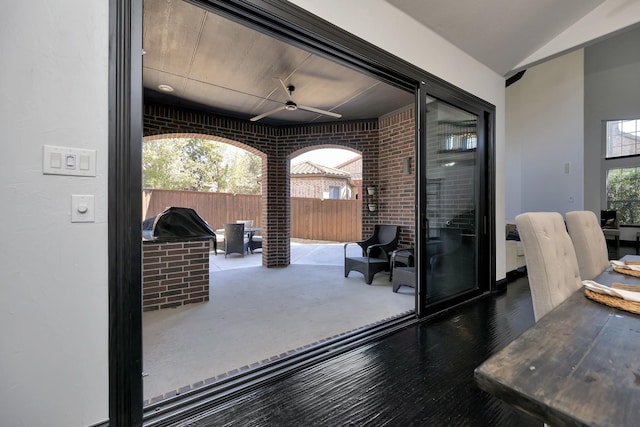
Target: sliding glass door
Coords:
[[451, 182]]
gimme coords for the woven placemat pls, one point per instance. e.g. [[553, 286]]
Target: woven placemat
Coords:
[[626, 271], [633, 288], [615, 302]]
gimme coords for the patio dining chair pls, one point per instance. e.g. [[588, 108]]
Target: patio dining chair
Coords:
[[255, 240], [235, 239]]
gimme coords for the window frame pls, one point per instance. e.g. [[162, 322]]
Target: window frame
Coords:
[[616, 162], [608, 156], [606, 186]]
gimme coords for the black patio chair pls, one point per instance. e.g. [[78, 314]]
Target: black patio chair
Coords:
[[403, 271], [376, 252], [255, 240], [235, 240]]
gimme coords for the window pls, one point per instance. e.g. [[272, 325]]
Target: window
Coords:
[[334, 192], [622, 138], [623, 194]]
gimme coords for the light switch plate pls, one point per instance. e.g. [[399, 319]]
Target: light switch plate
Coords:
[[82, 208], [68, 161]]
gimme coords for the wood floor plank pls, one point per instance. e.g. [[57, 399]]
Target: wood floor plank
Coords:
[[422, 375]]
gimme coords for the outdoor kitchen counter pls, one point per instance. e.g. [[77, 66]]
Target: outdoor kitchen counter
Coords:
[[175, 272]]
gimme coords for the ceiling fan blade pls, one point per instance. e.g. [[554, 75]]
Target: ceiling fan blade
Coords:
[[286, 89], [268, 113], [319, 111]]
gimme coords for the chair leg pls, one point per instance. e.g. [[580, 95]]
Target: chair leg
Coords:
[[368, 278]]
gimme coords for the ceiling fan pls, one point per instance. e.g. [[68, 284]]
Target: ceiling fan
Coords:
[[290, 105]]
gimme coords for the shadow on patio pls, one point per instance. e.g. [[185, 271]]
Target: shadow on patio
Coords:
[[256, 314]]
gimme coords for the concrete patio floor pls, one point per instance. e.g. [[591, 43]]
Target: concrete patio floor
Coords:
[[255, 314]]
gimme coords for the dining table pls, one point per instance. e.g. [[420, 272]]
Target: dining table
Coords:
[[249, 231], [578, 365]]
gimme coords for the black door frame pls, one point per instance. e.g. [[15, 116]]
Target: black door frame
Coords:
[[485, 209], [282, 20]]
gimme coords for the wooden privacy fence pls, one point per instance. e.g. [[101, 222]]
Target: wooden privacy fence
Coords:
[[315, 219]]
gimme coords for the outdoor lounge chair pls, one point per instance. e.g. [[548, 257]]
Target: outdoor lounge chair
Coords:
[[403, 271], [376, 252]]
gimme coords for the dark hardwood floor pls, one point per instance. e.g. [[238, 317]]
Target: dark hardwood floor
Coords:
[[420, 376]]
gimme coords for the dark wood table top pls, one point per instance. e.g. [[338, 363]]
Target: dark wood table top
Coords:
[[578, 365]]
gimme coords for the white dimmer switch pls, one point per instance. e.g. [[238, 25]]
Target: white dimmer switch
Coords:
[[83, 208]]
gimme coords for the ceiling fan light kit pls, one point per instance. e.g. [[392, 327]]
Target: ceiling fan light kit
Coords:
[[291, 105]]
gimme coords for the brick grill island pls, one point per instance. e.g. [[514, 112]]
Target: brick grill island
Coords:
[[174, 272]]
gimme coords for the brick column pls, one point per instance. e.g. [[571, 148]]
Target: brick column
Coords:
[[277, 212]]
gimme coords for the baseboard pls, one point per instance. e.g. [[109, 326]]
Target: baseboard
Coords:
[[102, 424], [501, 284]]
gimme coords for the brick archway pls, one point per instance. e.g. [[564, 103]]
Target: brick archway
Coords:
[[390, 137]]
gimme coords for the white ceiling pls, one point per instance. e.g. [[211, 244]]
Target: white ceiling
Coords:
[[216, 64], [498, 33], [213, 63]]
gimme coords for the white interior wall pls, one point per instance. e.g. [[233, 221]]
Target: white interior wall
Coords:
[[544, 133], [612, 91], [385, 26], [54, 306], [54, 310]]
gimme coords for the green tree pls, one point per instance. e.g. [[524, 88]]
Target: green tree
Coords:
[[205, 164], [199, 165], [245, 168], [162, 165], [623, 194]]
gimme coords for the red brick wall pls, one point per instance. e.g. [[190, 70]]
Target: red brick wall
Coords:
[[389, 139], [174, 273], [396, 189], [358, 136]]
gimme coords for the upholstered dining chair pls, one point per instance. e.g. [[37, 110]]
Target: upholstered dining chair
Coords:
[[589, 243], [552, 266]]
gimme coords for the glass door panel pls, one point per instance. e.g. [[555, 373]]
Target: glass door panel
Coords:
[[452, 193]]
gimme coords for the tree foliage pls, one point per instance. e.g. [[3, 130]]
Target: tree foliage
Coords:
[[199, 165], [623, 194], [162, 165], [244, 172]]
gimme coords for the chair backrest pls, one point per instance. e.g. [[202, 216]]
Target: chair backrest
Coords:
[[385, 235], [589, 243], [235, 240], [552, 266], [247, 222]]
